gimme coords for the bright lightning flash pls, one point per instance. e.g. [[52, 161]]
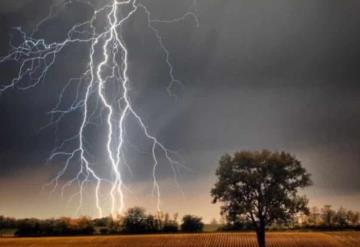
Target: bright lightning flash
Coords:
[[108, 62]]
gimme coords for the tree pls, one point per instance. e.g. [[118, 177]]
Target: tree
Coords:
[[84, 226], [262, 187], [341, 218], [169, 225], [192, 223], [135, 221], [328, 216], [353, 218], [314, 218]]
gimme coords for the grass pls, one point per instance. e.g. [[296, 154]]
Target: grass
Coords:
[[274, 239]]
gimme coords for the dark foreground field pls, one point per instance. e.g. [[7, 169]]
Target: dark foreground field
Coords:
[[334, 239]]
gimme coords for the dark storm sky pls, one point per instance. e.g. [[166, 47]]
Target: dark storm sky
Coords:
[[282, 75]]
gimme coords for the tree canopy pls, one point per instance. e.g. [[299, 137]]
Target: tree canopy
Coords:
[[192, 223], [261, 187]]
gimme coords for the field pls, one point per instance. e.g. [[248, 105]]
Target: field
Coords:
[[275, 239]]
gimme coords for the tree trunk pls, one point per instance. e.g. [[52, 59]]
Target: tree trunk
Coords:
[[260, 234]]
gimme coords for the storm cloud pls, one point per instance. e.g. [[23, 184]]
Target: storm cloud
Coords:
[[257, 74]]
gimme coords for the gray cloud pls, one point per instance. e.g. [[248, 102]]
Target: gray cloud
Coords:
[[257, 74]]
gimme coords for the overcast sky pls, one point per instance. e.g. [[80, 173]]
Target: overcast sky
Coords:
[[257, 74]]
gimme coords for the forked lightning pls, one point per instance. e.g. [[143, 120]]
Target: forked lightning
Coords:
[[108, 65]]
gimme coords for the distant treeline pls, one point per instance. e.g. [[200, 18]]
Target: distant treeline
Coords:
[[50, 227], [135, 221], [328, 218], [324, 218]]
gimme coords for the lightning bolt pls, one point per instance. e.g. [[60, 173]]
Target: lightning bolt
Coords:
[[108, 64]]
